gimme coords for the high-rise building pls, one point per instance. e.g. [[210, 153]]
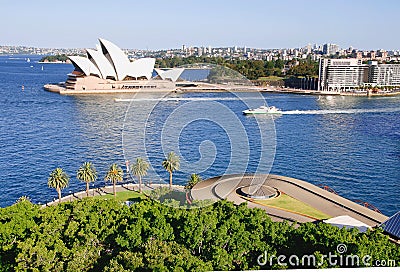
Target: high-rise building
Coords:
[[308, 49], [383, 74], [338, 75], [372, 55], [359, 55], [330, 49], [341, 75]]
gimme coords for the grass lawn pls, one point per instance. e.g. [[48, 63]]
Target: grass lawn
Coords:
[[289, 203], [124, 196], [270, 78]]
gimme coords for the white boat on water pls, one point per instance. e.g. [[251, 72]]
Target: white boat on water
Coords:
[[123, 99], [263, 110]]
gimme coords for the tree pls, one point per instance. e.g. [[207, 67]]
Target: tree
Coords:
[[59, 180], [87, 173], [139, 169], [171, 163], [114, 174], [96, 235], [194, 179]]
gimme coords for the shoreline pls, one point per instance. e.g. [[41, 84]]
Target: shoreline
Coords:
[[314, 92], [55, 88]]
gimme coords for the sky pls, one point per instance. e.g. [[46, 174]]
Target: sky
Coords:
[[363, 24]]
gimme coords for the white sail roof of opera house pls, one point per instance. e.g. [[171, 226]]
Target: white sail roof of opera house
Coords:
[[109, 61], [172, 74], [85, 65], [102, 63], [141, 67]]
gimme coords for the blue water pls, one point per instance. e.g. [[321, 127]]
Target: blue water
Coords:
[[350, 144]]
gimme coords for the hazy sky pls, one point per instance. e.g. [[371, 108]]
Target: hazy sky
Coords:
[[169, 24]]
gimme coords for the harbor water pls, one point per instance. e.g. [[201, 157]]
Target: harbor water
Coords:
[[351, 144]]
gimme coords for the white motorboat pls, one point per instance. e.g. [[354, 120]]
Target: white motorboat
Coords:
[[263, 110]]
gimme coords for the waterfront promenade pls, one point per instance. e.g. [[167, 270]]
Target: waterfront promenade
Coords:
[[228, 187]]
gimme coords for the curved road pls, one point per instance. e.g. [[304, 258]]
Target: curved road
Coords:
[[334, 205]]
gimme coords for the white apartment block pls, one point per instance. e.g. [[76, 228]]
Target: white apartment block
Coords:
[[342, 75], [384, 74]]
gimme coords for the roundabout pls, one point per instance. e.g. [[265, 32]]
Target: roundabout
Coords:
[[258, 192]]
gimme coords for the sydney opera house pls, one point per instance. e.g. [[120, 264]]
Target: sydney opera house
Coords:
[[108, 69]]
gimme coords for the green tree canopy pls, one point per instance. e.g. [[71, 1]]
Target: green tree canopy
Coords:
[[97, 235]]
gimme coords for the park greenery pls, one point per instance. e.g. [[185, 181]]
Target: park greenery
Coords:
[[160, 230], [87, 173], [104, 235], [251, 69], [286, 202]]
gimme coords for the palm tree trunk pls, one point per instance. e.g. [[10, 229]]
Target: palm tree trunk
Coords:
[[188, 197], [87, 188], [170, 180], [140, 184], [114, 190], [59, 194]]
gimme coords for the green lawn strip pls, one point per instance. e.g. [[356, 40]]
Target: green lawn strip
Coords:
[[270, 78], [124, 196], [289, 203]]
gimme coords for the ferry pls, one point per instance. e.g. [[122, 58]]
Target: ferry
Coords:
[[263, 110]]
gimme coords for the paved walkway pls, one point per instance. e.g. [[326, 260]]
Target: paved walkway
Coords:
[[108, 190], [225, 188]]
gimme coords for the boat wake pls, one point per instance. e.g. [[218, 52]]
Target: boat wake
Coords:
[[292, 112], [342, 111], [183, 99]]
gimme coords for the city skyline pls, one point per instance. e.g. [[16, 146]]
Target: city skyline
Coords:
[[161, 24]]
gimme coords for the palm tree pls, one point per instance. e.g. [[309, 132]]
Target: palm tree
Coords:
[[171, 163], [194, 179], [114, 175], [139, 169], [87, 173], [59, 180]]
